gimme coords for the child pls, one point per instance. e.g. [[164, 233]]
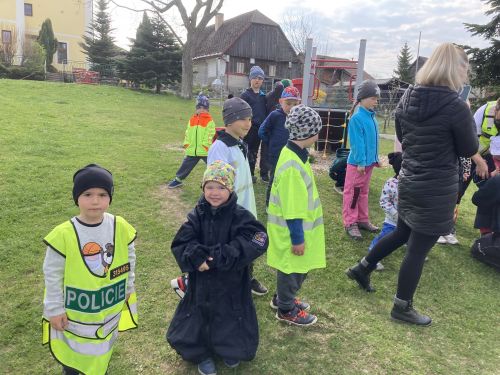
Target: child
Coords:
[[295, 218], [273, 131], [89, 273], [216, 245], [363, 138], [199, 136], [256, 98], [389, 201], [230, 148]]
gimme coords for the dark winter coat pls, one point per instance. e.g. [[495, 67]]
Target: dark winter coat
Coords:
[[273, 98], [273, 132], [217, 315], [435, 127], [487, 200], [258, 103]]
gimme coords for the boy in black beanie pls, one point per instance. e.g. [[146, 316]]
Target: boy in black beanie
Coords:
[[89, 271], [389, 201]]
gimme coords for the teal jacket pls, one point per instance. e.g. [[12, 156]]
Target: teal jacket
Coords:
[[363, 138]]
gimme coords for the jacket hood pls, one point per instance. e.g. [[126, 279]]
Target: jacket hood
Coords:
[[421, 102]]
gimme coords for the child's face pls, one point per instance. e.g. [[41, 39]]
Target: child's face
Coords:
[[93, 203], [369, 103], [310, 141], [288, 104], [215, 194], [256, 83], [239, 128]]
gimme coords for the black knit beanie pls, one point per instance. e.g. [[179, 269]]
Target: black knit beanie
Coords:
[[92, 176], [395, 159]]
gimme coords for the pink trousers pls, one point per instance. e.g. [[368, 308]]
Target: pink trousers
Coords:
[[356, 189]]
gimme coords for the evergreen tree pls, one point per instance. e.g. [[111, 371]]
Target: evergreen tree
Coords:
[[99, 45], [47, 40], [485, 62], [403, 72], [155, 57]]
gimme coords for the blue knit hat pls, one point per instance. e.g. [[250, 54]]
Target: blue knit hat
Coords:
[[255, 72], [202, 102]]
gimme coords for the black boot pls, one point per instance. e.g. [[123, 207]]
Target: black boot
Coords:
[[361, 274], [404, 311]]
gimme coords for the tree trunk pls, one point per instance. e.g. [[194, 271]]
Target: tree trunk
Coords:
[[187, 68]]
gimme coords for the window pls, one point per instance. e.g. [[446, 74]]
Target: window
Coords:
[[6, 36], [272, 70], [240, 67], [28, 9], [62, 53]]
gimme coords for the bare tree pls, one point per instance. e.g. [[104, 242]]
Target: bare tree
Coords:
[[298, 26], [194, 23], [388, 102]]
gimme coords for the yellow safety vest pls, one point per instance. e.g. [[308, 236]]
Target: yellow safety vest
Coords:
[[294, 196], [488, 128], [95, 305]]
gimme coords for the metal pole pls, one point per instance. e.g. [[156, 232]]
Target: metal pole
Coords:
[[418, 55], [312, 75], [361, 65], [307, 71]]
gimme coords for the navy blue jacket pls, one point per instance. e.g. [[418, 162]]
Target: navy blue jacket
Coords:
[[273, 132], [217, 315], [258, 104]]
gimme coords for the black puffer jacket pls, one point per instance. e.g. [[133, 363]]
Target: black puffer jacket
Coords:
[[435, 127], [217, 315]]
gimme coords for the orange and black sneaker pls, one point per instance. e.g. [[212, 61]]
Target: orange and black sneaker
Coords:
[[297, 317], [300, 304]]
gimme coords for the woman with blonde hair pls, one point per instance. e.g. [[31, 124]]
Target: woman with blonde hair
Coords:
[[435, 127]]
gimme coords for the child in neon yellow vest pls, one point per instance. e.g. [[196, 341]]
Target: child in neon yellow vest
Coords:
[[89, 273]]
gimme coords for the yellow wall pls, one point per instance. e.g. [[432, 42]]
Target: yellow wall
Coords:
[[68, 22]]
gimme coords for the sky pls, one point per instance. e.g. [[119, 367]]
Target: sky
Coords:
[[340, 24]]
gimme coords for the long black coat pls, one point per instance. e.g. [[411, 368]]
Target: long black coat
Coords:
[[217, 315], [435, 127], [487, 200]]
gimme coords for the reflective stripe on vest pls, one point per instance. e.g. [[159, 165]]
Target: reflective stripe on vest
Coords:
[[488, 128], [96, 348]]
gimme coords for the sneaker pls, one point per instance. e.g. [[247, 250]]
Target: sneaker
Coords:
[[231, 363], [301, 305], [353, 231], [207, 367], [368, 227], [451, 239], [380, 267], [174, 183], [179, 285], [442, 240], [297, 317], [257, 287], [339, 189]]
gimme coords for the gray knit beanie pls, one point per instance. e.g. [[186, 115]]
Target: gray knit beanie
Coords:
[[235, 109], [256, 72], [367, 89], [303, 122]]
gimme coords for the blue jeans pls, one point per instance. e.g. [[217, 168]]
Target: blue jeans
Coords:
[[386, 229]]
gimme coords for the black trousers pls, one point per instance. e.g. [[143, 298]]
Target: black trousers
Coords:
[[418, 246], [253, 141]]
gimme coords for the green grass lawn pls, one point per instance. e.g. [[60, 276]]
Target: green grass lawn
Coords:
[[48, 131]]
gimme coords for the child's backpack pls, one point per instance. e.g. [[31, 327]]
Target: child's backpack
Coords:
[[487, 250], [339, 166]]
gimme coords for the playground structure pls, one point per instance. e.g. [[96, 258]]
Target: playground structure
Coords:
[[333, 135]]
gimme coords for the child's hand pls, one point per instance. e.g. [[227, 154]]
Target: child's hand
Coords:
[[299, 249], [361, 169], [59, 322], [204, 266]]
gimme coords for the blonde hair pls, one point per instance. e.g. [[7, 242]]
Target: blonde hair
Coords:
[[444, 67]]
